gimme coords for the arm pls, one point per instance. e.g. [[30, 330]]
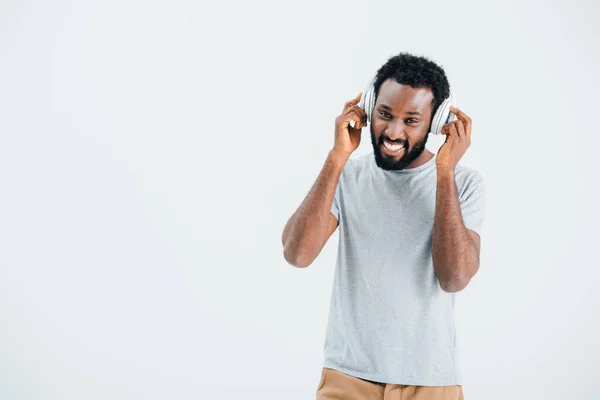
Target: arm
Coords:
[[309, 228], [455, 249]]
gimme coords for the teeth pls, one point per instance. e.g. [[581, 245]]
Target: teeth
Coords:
[[393, 147]]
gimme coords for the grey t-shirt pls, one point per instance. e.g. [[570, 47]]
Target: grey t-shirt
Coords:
[[389, 319]]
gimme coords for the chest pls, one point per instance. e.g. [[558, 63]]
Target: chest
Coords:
[[383, 210]]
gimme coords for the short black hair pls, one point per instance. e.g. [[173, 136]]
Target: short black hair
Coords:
[[417, 72]]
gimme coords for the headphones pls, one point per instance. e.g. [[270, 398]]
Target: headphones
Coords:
[[442, 116]]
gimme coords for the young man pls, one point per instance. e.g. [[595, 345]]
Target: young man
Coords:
[[409, 239]]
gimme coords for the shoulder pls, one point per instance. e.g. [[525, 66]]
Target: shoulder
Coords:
[[468, 180], [353, 170], [355, 165], [361, 163], [468, 174]]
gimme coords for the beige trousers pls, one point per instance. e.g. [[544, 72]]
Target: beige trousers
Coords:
[[336, 385]]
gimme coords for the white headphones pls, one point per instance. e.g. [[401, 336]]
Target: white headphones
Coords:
[[442, 116]]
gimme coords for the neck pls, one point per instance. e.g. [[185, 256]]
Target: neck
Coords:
[[425, 156]]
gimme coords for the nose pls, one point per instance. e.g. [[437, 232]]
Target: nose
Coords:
[[395, 130]]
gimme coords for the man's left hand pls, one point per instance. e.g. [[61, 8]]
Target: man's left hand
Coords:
[[458, 140]]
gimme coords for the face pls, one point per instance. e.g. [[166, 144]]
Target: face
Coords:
[[400, 119]]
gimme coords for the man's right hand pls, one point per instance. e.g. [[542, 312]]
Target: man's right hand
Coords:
[[347, 138]]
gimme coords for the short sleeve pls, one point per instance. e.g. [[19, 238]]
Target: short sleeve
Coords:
[[472, 202], [335, 206]]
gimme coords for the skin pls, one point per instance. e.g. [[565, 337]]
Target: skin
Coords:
[[455, 249], [392, 120]]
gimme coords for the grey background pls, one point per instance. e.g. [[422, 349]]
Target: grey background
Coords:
[[152, 151]]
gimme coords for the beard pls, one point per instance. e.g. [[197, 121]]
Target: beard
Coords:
[[387, 162]]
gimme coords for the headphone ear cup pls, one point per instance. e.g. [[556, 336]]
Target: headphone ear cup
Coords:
[[370, 103], [443, 115], [440, 114], [367, 101]]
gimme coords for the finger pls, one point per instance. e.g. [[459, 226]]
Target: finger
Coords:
[[352, 116], [352, 102], [452, 131], [356, 108], [460, 127], [463, 117]]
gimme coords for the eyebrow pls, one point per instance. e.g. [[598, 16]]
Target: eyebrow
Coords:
[[407, 112]]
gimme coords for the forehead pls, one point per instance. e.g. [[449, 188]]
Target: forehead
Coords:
[[404, 97]]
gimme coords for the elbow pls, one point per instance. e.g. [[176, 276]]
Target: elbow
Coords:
[[455, 279], [454, 283], [295, 259], [290, 251]]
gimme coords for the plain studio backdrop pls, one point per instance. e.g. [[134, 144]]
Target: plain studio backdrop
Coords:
[[151, 153]]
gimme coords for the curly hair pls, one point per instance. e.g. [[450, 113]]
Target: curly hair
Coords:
[[417, 72]]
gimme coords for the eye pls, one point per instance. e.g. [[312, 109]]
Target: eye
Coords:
[[386, 115]]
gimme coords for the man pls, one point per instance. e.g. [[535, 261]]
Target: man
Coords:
[[409, 239]]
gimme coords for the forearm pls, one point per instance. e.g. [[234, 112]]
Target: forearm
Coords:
[[454, 253], [305, 233]]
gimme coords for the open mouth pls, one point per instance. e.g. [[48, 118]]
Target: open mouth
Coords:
[[392, 149]]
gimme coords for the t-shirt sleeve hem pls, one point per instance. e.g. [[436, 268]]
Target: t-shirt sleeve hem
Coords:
[[335, 212]]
